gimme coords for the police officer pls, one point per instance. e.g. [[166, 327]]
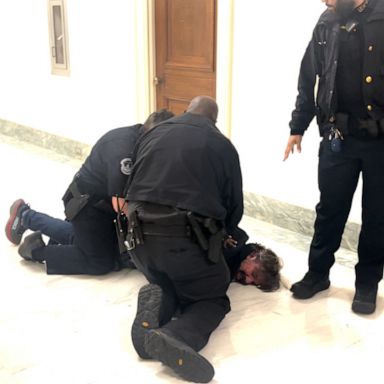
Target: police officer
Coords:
[[185, 187], [346, 55], [86, 243]]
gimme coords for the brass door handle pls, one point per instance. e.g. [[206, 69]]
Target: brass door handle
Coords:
[[157, 80]]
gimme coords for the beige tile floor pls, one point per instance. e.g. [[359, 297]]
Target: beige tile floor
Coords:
[[76, 330]]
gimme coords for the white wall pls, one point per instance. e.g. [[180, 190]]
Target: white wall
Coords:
[[269, 41], [100, 92]]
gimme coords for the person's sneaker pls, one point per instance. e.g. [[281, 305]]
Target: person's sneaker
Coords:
[[30, 243], [364, 301], [147, 316], [311, 284], [14, 229], [180, 357]]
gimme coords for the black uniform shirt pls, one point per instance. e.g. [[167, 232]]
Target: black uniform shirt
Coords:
[[105, 171], [187, 163], [349, 77]]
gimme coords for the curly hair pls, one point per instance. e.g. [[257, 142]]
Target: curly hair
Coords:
[[156, 118], [271, 266]]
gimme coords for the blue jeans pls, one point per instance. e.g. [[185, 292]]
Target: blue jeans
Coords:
[[59, 231], [86, 245]]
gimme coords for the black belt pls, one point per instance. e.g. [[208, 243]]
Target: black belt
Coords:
[[165, 230], [360, 128], [156, 220]]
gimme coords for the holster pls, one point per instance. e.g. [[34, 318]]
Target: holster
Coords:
[[74, 201], [197, 231], [215, 251], [121, 226], [134, 235], [209, 234]]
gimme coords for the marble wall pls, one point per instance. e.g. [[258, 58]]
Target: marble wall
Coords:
[[292, 217], [62, 145]]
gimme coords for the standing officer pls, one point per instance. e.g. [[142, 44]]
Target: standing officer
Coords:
[[185, 187], [86, 243], [346, 55]]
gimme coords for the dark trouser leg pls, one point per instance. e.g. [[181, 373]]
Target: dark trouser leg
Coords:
[[182, 270], [369, 269], [198, 321], [94, 250], [169, 304], [338, 175], [58, 230], [202, 296]]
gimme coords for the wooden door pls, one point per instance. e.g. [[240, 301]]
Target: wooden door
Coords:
[[185, 52]]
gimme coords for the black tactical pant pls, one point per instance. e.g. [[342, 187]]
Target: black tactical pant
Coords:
[[94, 250], [338, 175], [190, 283]]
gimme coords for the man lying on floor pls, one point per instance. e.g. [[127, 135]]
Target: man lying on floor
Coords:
[[249, 263], [252, 263]]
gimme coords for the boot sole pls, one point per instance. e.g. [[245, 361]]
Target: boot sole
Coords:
[[186, 362], [147, 316], [12, 236]]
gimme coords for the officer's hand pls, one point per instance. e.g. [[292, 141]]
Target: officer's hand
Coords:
[[119, 205], [294, 140], [230, 242]]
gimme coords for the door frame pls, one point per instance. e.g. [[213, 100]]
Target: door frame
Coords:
[[145, 61]]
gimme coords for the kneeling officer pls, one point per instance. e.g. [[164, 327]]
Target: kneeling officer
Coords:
[[185, 187]]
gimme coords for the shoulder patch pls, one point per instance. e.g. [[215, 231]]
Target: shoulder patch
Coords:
[[126, 166]]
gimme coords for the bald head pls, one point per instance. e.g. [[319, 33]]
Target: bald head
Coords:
[[205, 106]]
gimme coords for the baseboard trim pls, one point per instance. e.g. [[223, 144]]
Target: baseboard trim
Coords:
[[292, 217], [56, 143]]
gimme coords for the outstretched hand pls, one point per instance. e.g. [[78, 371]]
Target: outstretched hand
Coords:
[[293, 140]]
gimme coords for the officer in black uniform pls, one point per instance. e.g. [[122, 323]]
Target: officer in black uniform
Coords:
[[346, 54], [185, 187], [86, 243]]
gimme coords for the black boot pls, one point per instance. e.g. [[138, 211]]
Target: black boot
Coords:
[[177, 355], [364, 301], [31, 242], [147, 316], [311, 284]]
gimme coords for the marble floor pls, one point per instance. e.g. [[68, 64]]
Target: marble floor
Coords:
[[76, 329]]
